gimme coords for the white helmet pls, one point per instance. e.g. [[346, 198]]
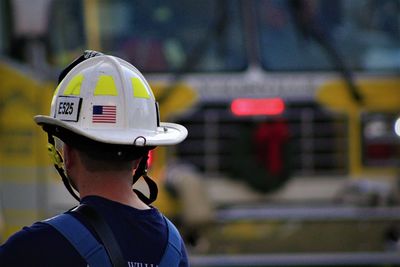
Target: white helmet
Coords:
[[107, 100], [104, 104]]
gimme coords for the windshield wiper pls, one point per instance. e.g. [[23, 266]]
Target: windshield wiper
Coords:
[[215, 30], [307, 28]]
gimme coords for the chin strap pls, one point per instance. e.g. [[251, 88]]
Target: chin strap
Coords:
[[141, 171], [59, 165], [54, 154]]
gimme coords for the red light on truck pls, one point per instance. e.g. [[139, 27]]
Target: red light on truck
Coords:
[[257, 106]]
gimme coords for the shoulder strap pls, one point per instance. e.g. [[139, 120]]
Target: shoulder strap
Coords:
[[82, 239], [96, 255], [109, 254], [105, 234], [172, 254]]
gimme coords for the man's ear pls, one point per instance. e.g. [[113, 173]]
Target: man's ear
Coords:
[[68, 155]]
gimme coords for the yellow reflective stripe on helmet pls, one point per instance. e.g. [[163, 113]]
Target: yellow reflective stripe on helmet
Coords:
[[139, 89], [105, 86], [57, 89], [74, 86]]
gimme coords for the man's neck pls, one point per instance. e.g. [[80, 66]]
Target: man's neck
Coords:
[[110, 186]]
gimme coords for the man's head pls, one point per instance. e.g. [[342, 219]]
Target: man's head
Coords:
[[104, 107], [84, 166]]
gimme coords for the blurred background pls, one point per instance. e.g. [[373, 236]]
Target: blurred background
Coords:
[[292, 107]]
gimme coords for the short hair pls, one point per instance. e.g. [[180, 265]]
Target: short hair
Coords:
[[99, 156], [95, 162]]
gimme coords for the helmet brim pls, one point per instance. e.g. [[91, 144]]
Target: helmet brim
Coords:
[[166, 134]]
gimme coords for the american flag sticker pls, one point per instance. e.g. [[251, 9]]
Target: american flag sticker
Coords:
[[104, 114]]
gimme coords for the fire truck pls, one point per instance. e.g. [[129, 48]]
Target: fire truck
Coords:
[[273, 93]]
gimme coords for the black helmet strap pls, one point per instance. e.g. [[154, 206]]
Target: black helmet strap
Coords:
[[86, 54], [141, 171], [58, 164]]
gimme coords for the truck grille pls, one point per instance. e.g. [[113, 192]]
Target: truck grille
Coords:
[[317, 138]]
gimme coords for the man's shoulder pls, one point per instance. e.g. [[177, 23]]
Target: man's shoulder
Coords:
[[34, 237], [39, 243], [33, 234]]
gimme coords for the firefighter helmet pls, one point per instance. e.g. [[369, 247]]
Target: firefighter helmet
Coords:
[[107, 100]]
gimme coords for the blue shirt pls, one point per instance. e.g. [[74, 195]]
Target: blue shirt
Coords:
[[141, 234]]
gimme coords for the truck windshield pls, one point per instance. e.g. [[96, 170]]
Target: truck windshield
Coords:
[[156, 36], [366, 34], [209, 35]]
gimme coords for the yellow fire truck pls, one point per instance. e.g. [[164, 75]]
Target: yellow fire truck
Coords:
[[271, 91]]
